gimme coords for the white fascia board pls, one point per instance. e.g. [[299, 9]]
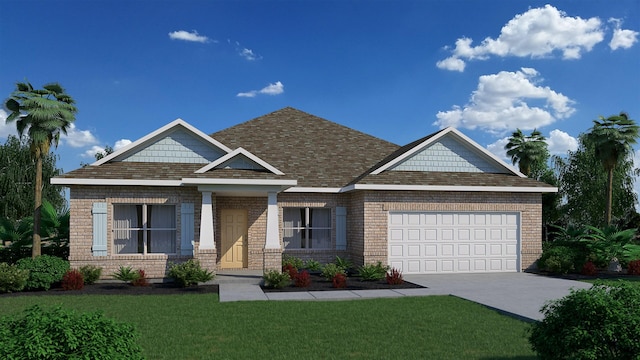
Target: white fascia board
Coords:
[[438, 136], [314, 190], [115, 182], [450, 188], [236, 152], [268, 182], [158, 133]]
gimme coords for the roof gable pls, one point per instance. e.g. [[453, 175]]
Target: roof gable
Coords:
[[445, 151], [240, 159], [176, 142]]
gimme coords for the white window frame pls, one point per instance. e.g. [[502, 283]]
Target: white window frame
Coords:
[[307, 228], [145, 229]]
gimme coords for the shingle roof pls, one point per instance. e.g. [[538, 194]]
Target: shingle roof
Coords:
[[314, 151]]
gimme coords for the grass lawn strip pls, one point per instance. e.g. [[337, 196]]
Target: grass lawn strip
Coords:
[[200, 327]]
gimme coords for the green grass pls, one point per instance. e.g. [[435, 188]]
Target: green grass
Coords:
[[200, 327], [631, 280]]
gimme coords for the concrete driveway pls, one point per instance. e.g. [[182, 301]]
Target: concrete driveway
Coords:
[[520, 294]]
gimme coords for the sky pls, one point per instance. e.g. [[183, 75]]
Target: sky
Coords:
[[398, 70]]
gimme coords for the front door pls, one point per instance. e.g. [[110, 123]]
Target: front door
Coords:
[[234, 239]]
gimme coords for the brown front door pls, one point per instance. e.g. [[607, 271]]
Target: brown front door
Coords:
[[234, 239]]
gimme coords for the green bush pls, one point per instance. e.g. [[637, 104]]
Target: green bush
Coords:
[[64, 334], [561, 259], [312, 265], [276, 279], [373, 272], [345, 264], [44, 271], [189, 273], [90, 273], [330, 271], [126, 274], [293, 261], [12, 278], [597, 323]]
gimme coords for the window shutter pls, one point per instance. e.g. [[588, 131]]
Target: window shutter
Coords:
[[99, 212], [186, 229], [341, 228]]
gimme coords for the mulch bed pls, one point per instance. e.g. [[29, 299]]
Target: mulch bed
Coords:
[[318, 283], [123, 289]]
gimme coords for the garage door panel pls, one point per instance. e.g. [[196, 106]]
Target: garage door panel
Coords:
[[430, 242]]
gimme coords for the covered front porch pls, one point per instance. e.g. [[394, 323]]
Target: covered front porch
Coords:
[[239, 224]]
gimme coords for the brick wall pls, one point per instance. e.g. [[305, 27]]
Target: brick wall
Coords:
[[81, 226]]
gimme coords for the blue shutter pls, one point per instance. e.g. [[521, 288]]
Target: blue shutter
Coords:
[[99, 212], [186, 229], [341, 228]]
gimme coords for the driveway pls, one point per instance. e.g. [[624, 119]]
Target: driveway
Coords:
[[520, 294]]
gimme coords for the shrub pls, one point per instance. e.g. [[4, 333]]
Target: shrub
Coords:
[[126, 274], [90, 273], [302, 279], [560, 259], [44, 271], [394, 277], [345, 264], [189, 273], [276, 279], [291, 270], [141, 280], [339, 281], [330, 270], [597, 323], [73, 280], [64, 334], [12, 278], [373, 272], [292, 260], [634, 267], [312, 265], [589, 269]]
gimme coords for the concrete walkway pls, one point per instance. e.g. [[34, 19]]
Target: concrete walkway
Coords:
[[518, 294]]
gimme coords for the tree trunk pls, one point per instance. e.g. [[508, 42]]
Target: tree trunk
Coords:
[[609, 196], [36, 249]]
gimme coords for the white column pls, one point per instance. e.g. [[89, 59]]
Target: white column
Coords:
[[207, 240], [273, 235]]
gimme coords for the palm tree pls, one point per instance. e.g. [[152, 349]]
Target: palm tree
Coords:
[[42, 115], [530, 152], [612, 138]]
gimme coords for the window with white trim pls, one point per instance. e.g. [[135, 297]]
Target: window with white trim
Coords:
[[306, 228], [144, 229]]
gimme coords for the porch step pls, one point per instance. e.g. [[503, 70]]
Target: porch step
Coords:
[[242, 276]]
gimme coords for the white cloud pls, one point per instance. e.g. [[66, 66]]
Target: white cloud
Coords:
[[248, 54], [497, 149], [6, 129], [538, 32], [188, 36], [272, 89], [120, 144], [560, 142], [78, 138], [622, 38], [501, 103]]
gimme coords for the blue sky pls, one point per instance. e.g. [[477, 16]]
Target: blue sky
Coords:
[[398, 70]]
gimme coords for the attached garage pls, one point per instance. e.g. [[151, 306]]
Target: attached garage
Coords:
[[454, 242]]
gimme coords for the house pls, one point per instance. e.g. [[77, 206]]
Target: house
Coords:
[[292, 183]]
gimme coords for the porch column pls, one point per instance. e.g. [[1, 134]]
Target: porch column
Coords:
[[273, 235], [272, 249], [207, 241]]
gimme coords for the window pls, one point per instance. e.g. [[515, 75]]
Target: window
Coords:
[[144, 229], [307, 228]]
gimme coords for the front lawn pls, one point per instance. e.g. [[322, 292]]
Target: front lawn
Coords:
[[200, 327]]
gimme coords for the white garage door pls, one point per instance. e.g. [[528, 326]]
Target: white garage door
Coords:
[[454, 242]]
